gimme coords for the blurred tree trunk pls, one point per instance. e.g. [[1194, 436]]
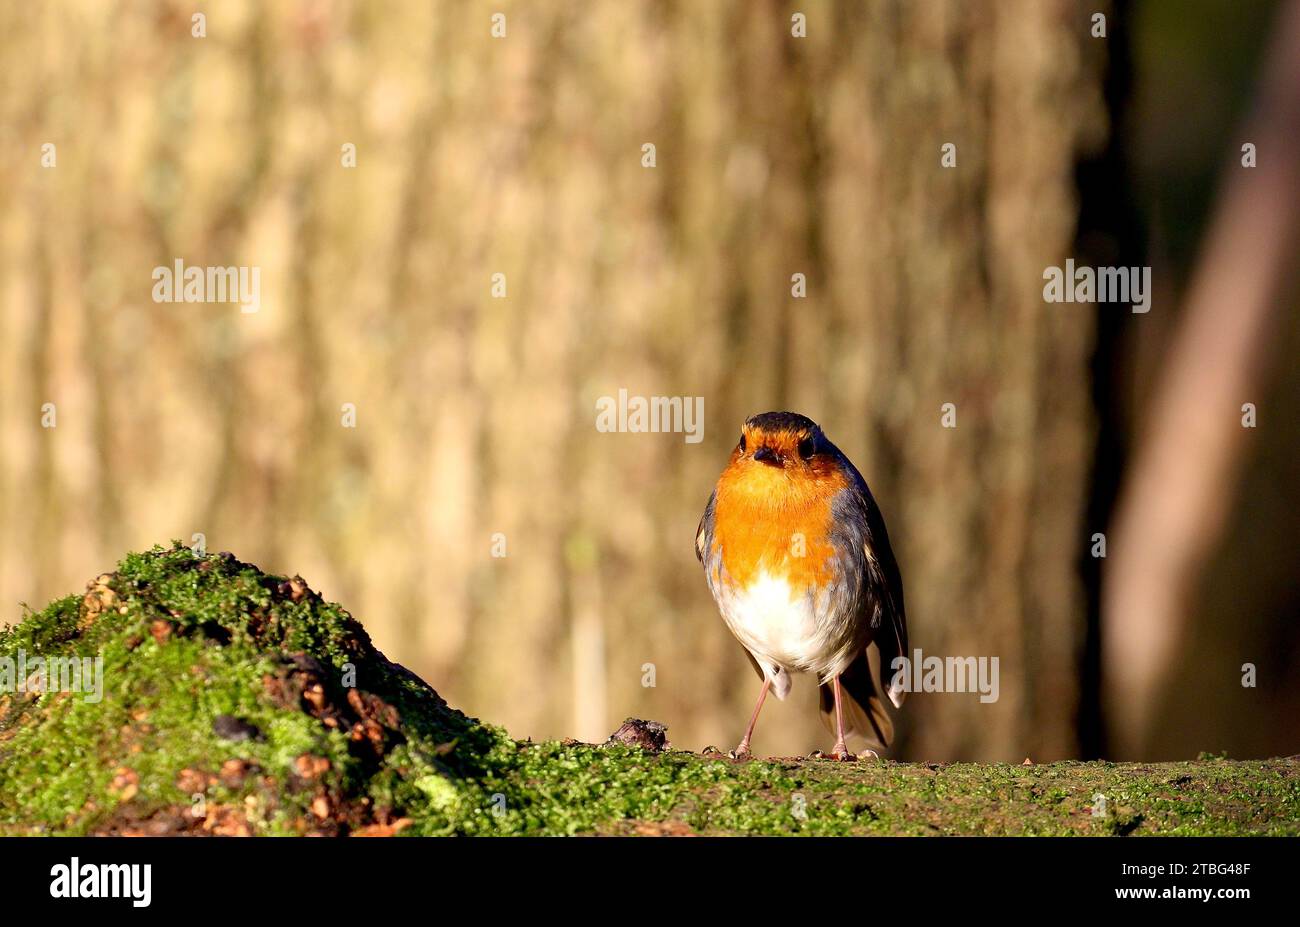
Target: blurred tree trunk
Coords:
[[1180, 495], [775, 155]]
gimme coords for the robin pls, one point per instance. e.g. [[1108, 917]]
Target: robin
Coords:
[[797, 557]]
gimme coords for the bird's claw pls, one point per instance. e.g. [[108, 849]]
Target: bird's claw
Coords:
[[740, 753]]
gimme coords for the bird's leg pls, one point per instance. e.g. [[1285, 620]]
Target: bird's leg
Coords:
[[839, 751], [742, 751]]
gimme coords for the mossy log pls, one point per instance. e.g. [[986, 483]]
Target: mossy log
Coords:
[[229, 701]]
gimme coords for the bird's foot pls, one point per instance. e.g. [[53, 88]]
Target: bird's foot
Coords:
[[840, 754], [868, 755], [741, 752]]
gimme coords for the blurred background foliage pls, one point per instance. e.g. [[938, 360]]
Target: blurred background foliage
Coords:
[[476, 415]]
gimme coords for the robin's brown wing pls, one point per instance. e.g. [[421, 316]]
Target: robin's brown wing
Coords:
[[870, 673], [704, 533], [861, 530], [891, 636], [892, 639]]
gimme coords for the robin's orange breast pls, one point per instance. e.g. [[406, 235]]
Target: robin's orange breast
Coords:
[[767, 522]]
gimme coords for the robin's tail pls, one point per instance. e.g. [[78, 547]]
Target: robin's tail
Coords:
[[864, 709]]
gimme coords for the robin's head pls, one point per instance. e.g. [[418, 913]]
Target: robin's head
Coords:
[[781, 448], [783, 440]]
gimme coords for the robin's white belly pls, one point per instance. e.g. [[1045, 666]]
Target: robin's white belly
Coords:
[[788, 630]]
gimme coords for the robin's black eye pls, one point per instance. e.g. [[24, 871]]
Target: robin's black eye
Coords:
[[807, 447], [742, 444]]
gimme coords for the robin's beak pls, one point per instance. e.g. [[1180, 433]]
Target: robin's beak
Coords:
[[768, 456]]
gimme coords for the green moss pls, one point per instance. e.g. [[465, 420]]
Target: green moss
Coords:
[[185, 641], [237, 702]]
